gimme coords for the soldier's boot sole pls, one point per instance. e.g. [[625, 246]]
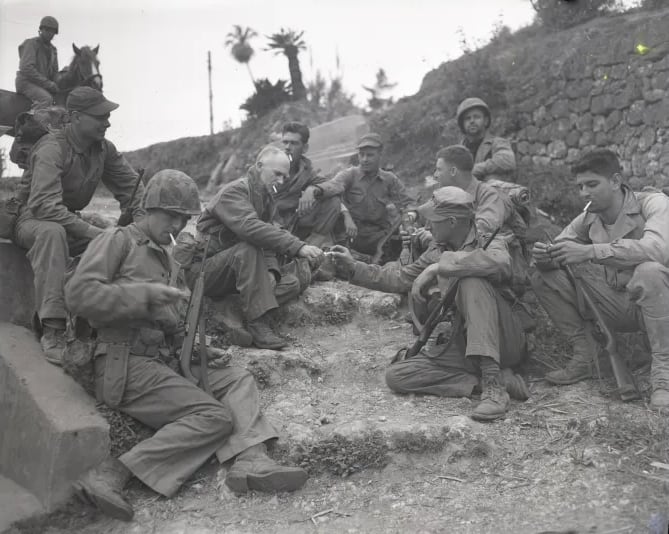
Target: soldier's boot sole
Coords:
[[568, 376], [283, 479], [488, 410], [110, 503], [240, 337], [237, 481]]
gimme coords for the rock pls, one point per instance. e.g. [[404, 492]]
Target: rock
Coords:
[[653, 95], [598, 123], [572, 138], [635, 113], [459, 426], [379, 304], [646, 140], [557, 149]]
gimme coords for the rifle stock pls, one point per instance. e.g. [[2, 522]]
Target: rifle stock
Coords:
[[440, 310], [126, 216], [195, 320], [626, 387]]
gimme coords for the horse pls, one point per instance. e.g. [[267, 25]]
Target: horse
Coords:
[[82, 70]]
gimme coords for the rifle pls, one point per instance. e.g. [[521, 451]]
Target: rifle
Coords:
[[195, 320], [126, 217], [439, 311], [627, 389], [376, 258]]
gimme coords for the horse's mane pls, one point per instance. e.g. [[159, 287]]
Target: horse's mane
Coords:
[[79, 68]]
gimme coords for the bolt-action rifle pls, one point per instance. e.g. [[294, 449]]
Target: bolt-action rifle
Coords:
[[195, 321], [126, 217]]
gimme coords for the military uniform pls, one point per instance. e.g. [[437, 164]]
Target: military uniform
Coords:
[[61, 179], [38, 67], [366, 197], [493, 158], [629, 279], [315, 227], [243, 248]]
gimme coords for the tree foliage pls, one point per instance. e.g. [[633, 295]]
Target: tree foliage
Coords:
[[329, 96], [289, 43], [240, 49], [561, 14], [266, 97], [381, 87]]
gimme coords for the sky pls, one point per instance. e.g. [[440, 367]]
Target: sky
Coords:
[[153, 53]]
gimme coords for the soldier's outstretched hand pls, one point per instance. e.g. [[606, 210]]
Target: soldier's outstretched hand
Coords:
[[162, 295], [423, 282], [310, 252]]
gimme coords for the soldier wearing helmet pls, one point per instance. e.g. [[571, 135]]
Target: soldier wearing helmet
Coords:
[[121, 287], [64, 171], [38, 65], [493, 156]]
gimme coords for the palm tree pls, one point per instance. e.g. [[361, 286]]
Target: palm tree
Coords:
[[240, 49], [289, 42]]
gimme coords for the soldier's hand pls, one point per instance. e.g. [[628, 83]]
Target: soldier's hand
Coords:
[[423, 282], [406, 238], [163, 295], [424, 237], [478, 170], [311, 253], [342, 258], [307, 201], [52, 87], [540, 253], [568, 252], [350, 226]]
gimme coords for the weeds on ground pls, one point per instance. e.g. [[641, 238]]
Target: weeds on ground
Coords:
[[124, 431], [419, 442]]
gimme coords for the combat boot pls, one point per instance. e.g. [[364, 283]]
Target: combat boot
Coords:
[[263, 337], [254, 470], [657, 331], [580, 367], [494, 399], [515, 385], [102, 488], [53, 344], [230, 314]]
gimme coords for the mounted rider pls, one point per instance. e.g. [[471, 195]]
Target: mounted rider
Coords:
[[38, 65]]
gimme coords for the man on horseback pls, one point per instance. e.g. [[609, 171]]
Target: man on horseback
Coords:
[[64, 170], [38, 65]]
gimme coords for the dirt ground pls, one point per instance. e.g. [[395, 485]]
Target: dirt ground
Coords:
[[570, 459]]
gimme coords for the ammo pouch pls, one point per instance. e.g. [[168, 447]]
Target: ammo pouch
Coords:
[[117, 345], [9, 212]]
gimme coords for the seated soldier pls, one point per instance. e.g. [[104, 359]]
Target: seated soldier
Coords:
[[493, 156], [120, 286], [492, 335], [296, 207], [372, 199], [38, 65], [244, 244], [620, 247]]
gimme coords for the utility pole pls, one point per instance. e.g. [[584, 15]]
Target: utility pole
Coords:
[[211, 96]]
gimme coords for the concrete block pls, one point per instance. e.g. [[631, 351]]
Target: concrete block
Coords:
[[16, 503], [51, 432], [17, 293]]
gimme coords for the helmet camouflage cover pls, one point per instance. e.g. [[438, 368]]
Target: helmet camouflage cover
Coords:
[[172, 190]]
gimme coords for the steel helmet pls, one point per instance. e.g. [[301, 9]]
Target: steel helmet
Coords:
[[470, 103], [172, 190], [49, 22]]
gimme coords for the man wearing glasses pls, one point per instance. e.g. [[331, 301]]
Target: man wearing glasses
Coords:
[[64, 170]]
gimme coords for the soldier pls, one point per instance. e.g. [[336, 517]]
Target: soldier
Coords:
[[38, 65], [620, 246], [296, 206], [120, 286], [372, 199], [494, 336], [244, 244], [64, 170], [493, 156]]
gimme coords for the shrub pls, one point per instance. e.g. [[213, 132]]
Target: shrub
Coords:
[[267, 97], [561, 14]]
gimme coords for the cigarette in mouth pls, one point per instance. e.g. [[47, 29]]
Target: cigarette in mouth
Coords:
[[174, 241], [587, 206], [274, 188]]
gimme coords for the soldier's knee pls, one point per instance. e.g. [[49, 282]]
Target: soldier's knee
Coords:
[[50, 232], [649, 278], [219, 419]]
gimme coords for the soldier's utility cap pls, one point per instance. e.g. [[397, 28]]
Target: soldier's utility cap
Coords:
[[372, 140], [49, 22], [172, 190], [448, 202], [90, 101]]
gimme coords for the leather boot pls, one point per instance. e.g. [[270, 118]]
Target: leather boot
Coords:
[[229, 313], [254, 470], [263, 337], [580, 367], [515, 385], [494, 398], [53, 344], [102, 488], [657, 331]]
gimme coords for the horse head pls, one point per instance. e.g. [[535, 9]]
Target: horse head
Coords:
[[84, 68]]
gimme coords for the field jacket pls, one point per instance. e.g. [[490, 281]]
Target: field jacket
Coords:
[[38, 62], [494, 159]]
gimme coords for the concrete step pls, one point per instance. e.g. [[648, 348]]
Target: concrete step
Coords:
[[17, 295], [16, 503], [51, 431]]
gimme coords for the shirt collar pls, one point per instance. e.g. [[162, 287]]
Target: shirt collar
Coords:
[[77, 143], [142, 239]]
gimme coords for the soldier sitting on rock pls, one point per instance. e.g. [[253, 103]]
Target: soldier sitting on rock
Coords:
[[620, 249], [296, 206], [243, 247], [490, 340], [121, 287], [372, 199], [493, 156]]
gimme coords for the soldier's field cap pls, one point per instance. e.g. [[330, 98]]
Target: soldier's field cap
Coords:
[[447, 202], [372, 140], [89, 100]]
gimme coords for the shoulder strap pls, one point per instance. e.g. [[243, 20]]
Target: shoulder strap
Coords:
[[67, 152]]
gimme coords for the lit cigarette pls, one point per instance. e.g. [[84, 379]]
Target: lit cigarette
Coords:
[[274, 189], [587, 206], [174, 241]]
